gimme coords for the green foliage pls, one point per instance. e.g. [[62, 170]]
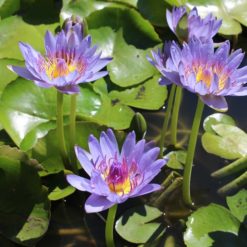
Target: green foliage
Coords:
[[135, 224], [213, 224], [222, 138], [24, 207]]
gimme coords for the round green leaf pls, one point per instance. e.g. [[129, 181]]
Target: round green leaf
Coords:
[[129, 65], [230, 12], [176, 159], [8, 7], [228, 141], [21, 200], [154, 11], [217, 118], [58, 187], [16, 30], [206, 220], [148, 95], [238, 204], [136, 30], [134, 225]]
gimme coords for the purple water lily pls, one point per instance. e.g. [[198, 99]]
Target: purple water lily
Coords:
[[201, 28], [201, 70], [116, 176], [69, 60]]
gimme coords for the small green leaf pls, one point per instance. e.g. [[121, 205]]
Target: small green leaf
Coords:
[[206, 220], [58, 187], [134, 225], [228, 141], [238, 204], [176, 159], [217, 118]]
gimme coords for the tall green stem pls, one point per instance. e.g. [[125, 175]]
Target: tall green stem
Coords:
[[109, 226], [191, 152], [166, 119], [60, 131], [72, 131], [175, 113]]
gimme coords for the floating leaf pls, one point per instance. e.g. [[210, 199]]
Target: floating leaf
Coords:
[[176, 159], [148, 95], [136, 30], [58, 187], [238, 204], [206, 220], [134, 225], [24, 208], [8, 7], [28, 112], [154, 11], [228, 141], [217, 118], [129, 65], [15, 30]]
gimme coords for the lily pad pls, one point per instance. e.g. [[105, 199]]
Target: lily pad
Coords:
[[213, 218], [217, 118], [148, 95], [28, 112], [58, 187], [238, 204], [233, 14], [129, 65], [24, 208], [16, 30], [47, 153], [8, 7], [136, 30], [176, 160], [227, 141], [154, 11], [134, 225]]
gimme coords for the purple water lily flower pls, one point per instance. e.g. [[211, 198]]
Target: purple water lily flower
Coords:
[[201, 28], [201, 70], [69, 60], [116, 176]]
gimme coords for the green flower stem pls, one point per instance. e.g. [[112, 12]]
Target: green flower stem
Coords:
[[166, 120], [190, 153], [72, 131], [60, 131], [234, 167], [175, 113], [110, 225], [237, 183]]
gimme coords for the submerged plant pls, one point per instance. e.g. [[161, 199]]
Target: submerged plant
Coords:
[[201, 28], [69, 60], [116, 175]]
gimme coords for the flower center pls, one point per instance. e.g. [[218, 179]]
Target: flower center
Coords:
[[120, 177], [205, 75]]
